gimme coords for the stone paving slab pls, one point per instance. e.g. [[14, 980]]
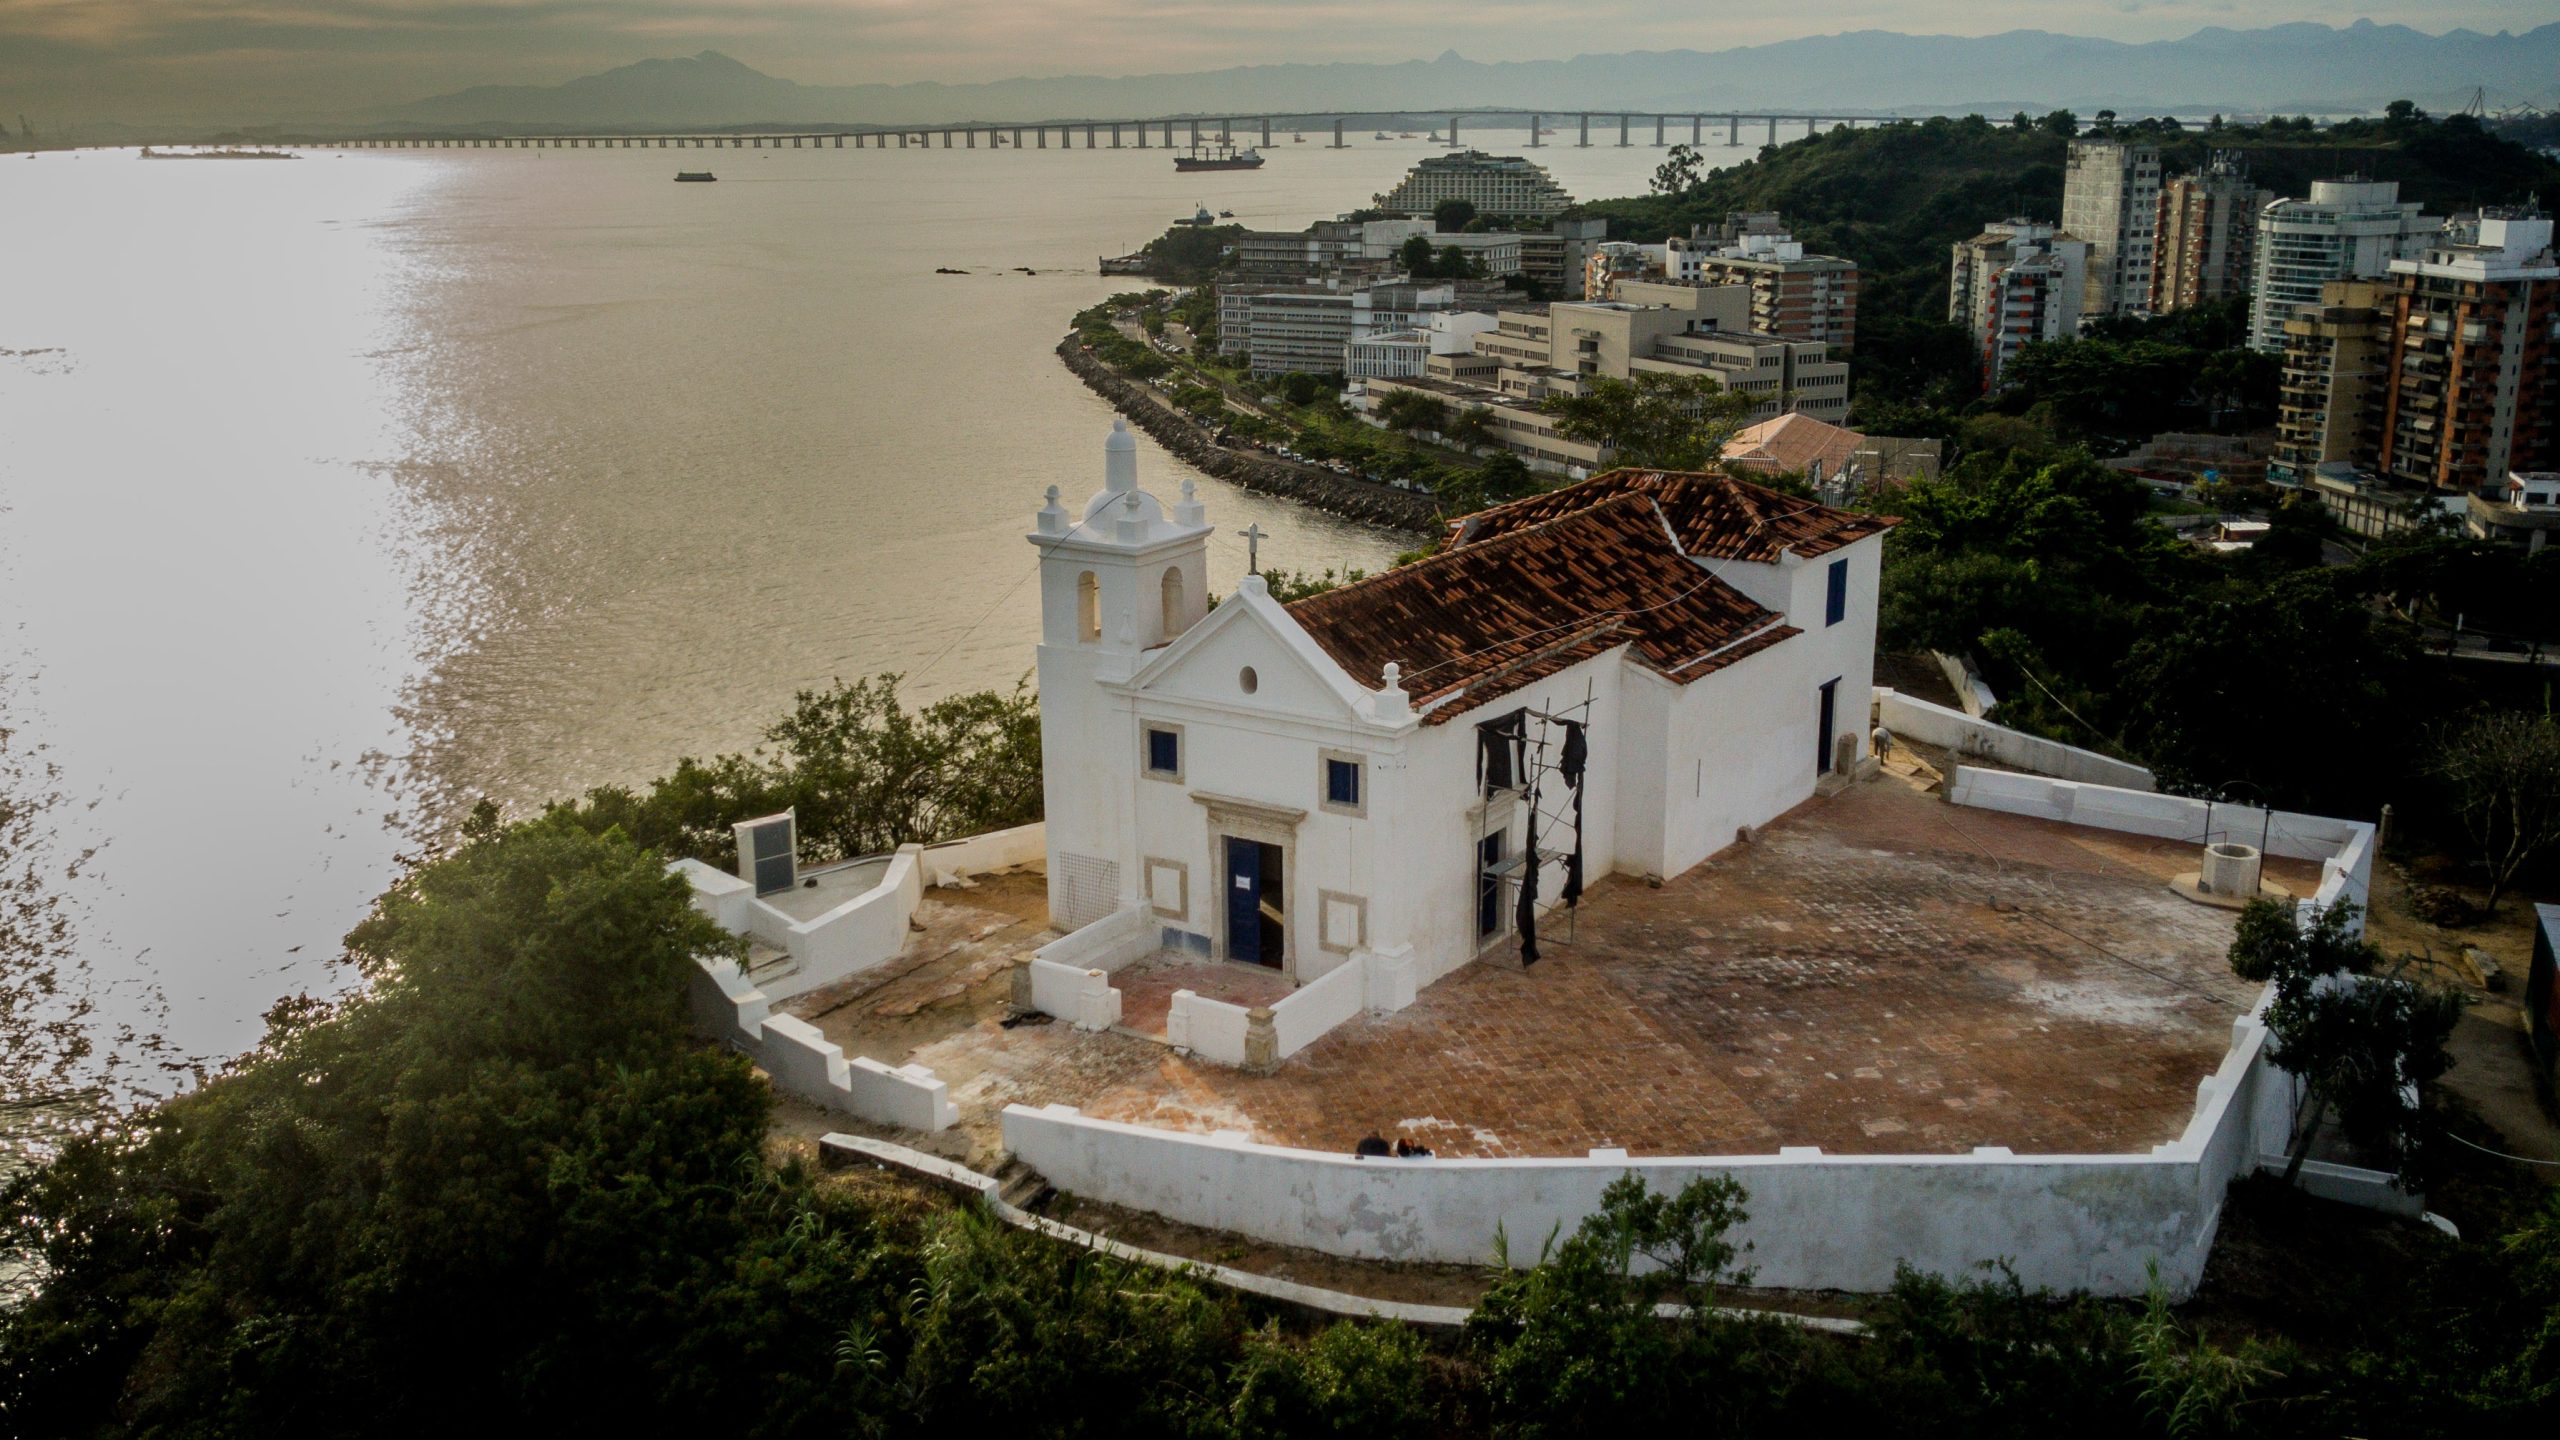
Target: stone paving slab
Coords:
[[1880, 973]]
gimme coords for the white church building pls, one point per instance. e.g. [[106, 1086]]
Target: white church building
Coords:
[[1617, 677]]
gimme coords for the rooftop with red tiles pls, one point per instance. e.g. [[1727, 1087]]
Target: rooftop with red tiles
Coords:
[[1880, 972], [1489, 617], [1713, 517]]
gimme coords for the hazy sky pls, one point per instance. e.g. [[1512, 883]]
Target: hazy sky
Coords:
[[75, 59]]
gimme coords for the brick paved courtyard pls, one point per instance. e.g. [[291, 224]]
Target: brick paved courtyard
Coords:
[[1881, 972]]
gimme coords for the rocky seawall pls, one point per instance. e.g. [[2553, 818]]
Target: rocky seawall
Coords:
[[1409, 512]]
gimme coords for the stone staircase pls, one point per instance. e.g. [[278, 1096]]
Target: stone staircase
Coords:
[[764, 962], [1020, 1186]]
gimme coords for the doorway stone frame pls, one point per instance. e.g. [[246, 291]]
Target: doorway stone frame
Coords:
[[1264, 824]]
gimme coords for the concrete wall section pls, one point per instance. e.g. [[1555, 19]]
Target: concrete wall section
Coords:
[[1916, 719], [1817, 1222], [2172, 817], [863, 933], [1082, 997], [953, 861], [1107, 944], [802, 1062], [1211, 1029], [1312, 1009]]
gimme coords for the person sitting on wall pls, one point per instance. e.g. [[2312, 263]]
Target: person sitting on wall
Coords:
[[1410, 1150], [1373, 1144]]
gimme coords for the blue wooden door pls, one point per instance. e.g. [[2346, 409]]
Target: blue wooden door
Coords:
[[1244, 901]]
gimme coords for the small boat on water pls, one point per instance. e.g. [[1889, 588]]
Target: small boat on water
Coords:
[[1383, 135], [694, 175]]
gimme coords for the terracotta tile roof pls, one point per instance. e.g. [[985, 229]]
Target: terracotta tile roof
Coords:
[[1487, 618], [1714, 517], [1793, 441]]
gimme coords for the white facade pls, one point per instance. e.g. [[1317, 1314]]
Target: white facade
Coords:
[[1406, 354], [2347, 230], [2014, 284], [2111, 199], [1193, 762], [1494, 184]]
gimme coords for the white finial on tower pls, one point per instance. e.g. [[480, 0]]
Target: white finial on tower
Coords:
[[1053, 516], [1120, 458], [1393, 704], [1189, 511]]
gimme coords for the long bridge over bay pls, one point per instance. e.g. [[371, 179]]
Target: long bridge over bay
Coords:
[[1163, 132]]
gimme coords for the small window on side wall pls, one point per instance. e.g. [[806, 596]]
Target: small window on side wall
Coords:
[[1345, 778], [1836, 605], [1164, 751]]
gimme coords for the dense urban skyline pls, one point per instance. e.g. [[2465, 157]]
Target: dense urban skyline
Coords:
[[87, 59]]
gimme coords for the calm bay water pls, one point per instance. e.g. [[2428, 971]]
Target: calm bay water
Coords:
[[337, 492]]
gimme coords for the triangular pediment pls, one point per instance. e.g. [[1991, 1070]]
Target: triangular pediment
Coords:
[[1292, 675]]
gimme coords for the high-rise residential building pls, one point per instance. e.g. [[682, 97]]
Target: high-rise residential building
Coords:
[[2018, 282], [1552, 258], [1611, 261], [2349, 229], [1799, 296], [2473, 384], [1494, 184], [2333, 370], [2206, 235], [2111, 200]]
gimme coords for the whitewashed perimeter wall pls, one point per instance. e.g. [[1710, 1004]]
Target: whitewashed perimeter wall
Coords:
[[1916, 719], [2067, 1222], [953, 861], [2344, 848], [805, 1063], [866, 931], [1215, 1030], [1824, 1222]]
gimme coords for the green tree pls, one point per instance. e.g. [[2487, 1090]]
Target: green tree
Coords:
[[2363, 1043], [1288, 585], [863, 773], [2501, 775], [1415, 258], [1452, 215], [2060, 123], [1670, 422], [1679, 172], [1573, 1345]]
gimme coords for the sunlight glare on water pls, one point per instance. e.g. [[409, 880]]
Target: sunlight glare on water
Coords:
[[335, 492]]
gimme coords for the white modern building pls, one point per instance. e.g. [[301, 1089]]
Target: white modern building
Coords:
[[1308, 328], [1497, 185], [1406, 354], [2111, 200], [2018, 282], [1616, 677], [2348, 230]]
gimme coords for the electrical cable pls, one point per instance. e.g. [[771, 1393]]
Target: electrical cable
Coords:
[[2501, 1154]]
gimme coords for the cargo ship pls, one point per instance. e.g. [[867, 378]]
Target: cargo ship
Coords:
[[1218, 155], [695, 176]]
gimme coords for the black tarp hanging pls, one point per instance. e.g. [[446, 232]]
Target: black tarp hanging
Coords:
[[1498, 747], [1526, 917], [1577, 750]]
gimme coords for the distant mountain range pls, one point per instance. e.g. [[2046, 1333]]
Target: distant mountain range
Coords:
[[2284, 69]]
